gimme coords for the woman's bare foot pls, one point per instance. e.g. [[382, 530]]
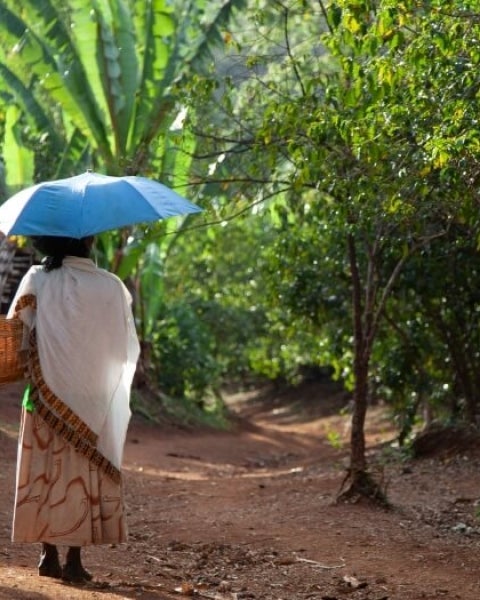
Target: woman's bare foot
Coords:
[[73, 570], [49, 565]]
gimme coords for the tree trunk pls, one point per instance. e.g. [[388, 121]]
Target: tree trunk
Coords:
[[358, 462], [360, 483], [361, 362]]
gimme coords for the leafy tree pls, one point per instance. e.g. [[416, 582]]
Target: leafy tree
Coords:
[[351, 138], [438, 333]]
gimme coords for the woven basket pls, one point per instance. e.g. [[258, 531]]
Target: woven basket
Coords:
[[12, 363]]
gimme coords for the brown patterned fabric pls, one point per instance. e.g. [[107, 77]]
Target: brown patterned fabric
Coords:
[[62, 498], [24, 301]]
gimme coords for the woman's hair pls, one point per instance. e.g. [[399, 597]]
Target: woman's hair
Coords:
[[56, 248]]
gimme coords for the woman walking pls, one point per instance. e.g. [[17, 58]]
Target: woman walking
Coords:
[[82, 352]]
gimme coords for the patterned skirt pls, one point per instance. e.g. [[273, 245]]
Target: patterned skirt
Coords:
[[61, 497]]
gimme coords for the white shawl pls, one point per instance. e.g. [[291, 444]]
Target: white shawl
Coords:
[[87, 344]]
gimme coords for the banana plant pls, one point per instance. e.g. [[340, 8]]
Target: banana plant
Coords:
[[105, 68], [93, 83]]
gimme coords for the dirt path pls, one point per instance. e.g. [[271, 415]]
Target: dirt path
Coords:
[[248, 514]]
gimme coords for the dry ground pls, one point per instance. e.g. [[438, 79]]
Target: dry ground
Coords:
[[249, 514]]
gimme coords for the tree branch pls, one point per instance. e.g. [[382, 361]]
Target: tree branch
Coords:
[[286, 12], [223, 219], [325, 15]]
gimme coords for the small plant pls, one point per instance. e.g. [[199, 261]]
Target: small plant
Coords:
[[334, 439]]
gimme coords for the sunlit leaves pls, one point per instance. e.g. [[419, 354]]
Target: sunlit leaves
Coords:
[[20, 157]]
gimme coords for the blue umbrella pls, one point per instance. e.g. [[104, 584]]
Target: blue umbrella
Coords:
[[88, 204]]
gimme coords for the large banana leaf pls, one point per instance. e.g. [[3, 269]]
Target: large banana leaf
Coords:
[[110, 65], [19, 159], [116, 67], [48, 59], [14, 91], [155, 19]]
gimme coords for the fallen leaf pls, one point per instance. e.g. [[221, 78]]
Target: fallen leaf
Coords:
[[187, 589]]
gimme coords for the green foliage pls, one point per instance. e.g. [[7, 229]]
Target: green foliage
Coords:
[[334, 438], [183, 353], [180, 411], [218, 272], [82, 67], [17, 149]]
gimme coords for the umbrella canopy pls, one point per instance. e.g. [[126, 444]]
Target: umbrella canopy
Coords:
[[88, 204]]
